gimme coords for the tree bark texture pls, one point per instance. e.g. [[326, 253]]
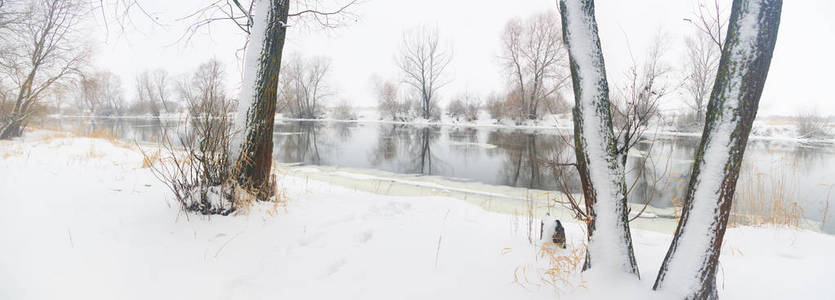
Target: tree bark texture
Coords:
[[254, 162], [689, 268], [601, 174]]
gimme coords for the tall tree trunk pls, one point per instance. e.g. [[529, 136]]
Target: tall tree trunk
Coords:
[[690, 265], [12, 129], [253, 146], [602, 176]]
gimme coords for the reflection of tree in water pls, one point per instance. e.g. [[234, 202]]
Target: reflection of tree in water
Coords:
[[299, 142], [659, 170], [464, 141], [150, 132], [421, 150], [415, 144], [525, 156], [805, 157], [344, 130], [387, 144], [650, 175]]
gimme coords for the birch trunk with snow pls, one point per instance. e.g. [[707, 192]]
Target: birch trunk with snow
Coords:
[[602, 176], [690, 265], [252, 146]]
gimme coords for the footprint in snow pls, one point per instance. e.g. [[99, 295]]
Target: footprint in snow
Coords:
[[365, 236], [334, 267], [391, 209]]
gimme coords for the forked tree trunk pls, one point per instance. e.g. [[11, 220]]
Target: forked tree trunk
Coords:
[[252, 147], [689, 269], [602, 176]]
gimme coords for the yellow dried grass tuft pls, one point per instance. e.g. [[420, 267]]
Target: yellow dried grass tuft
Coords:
[[766, 199]]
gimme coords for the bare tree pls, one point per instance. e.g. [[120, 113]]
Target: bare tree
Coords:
[[465, 106], [306, 86], [711, 21], [252, 145], [9, 12], [203, 91], [423, 60], [42, 50], [160, 80], [701, 64], [535, 59], [152, 91], [387, 102], [101, 94], [344, 111], [601, 173], [195, 166], [146, 93], [811, 125], [702, 59], [496, 106], [690, 264], [636, 102]]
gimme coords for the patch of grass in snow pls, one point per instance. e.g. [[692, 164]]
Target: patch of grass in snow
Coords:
[[555, 268], [11, 152], [92, 153]]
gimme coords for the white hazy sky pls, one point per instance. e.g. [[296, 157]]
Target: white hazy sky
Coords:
[[797, 82]]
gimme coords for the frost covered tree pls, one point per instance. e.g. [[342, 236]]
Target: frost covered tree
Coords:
[[601, 174], [691, 261]]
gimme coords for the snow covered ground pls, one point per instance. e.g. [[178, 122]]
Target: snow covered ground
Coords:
[[82, 219]]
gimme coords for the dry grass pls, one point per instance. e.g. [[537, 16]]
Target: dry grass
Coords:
[[92, 153], [11, 152], [150, 159], [763, 199], [563, 266], [556, 268]]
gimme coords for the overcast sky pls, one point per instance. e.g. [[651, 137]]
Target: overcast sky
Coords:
[[365, 49]]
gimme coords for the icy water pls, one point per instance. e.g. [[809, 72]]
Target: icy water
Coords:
[[782, 173]]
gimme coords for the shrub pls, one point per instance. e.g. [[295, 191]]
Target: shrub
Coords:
[[195, 164], [812, 126], [344, 111]]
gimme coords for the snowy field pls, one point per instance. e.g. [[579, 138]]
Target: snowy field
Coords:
[[83, 220]]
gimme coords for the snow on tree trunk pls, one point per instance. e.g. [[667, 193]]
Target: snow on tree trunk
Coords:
[[602, 176], [690, 265], [252, 145], [12, 129]]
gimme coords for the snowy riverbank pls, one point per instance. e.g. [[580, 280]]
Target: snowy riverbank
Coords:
[[83, 220], [762, 130]]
